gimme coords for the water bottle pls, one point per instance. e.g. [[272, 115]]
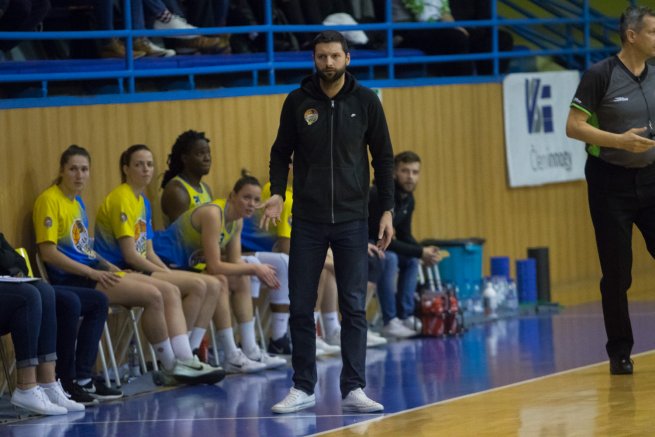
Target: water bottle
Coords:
[[133, 360], [477, 307], [489, 300], [512, 298]]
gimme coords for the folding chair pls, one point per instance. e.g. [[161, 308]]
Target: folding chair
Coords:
[[212, 336]]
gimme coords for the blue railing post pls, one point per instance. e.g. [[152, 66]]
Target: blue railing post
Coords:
[[389, 20], [129, 56], [270, 35], [494, 37]]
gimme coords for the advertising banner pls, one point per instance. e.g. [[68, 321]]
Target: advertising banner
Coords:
[[536, 106]]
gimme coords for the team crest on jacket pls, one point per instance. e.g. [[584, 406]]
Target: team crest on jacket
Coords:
[[311, 115]]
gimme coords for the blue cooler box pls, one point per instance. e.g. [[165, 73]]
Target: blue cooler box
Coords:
[[463, 268]]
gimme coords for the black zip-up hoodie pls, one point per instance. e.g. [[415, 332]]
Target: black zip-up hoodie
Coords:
[[328, 139]]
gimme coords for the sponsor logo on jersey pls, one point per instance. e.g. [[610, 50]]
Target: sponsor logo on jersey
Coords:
[[620, 99]]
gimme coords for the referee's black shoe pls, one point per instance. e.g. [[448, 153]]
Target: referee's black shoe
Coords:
[[621, 365]]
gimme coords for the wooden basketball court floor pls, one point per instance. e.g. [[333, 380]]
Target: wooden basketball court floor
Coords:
[[536, 375]]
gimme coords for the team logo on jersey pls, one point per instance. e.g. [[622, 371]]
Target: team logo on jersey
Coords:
[[140, 236], [80, 237], [123, 217], [47, 222], [311, 115], [196, 258]]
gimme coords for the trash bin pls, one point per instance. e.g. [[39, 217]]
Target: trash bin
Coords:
[[463, 268]]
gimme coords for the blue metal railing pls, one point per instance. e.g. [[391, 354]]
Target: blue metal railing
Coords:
[[128, 71]]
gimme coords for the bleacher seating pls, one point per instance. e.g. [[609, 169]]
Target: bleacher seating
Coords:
[[562, 22]]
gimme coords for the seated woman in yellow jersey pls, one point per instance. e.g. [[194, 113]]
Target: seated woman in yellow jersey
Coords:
[[190, 159], [202, 234], [61, 226], [123, 236], [183, 189]]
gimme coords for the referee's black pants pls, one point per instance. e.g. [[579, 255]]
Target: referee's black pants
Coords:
[[618, 198]]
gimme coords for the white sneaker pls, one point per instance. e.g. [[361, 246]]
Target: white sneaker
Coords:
[[58, 396], [373, 340], [334, 338], [152, 49], [413, 323], [36, 401], [240, 363], [357, 402], [194, 371], [296, 400], [176, 22], [396, 329], [270, 362], [325, 348]]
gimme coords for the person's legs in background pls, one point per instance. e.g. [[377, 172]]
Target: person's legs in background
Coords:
[[77, 346], [388, 295], [405, 300]]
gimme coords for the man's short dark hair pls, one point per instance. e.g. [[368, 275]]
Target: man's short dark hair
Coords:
[[407, 157], [633, 19], [328, 36]]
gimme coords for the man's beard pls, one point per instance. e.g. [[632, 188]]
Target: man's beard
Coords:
[[404, 187], [330, 79]]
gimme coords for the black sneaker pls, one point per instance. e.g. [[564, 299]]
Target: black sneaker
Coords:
[[621, 366], [78, 394], [100, 391], [281, 346]]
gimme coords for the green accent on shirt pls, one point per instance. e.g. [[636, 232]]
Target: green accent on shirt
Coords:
[[592, 149]]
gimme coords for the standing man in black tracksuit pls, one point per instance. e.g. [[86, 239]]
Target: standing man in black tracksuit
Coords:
[[613, 111], [326, 126]]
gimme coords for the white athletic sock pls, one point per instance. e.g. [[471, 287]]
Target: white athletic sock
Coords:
[[247, 331], [165, 354], [331, 323], [196, 337], [279, 325], [226, 339], [181, 347], [48, 384]]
